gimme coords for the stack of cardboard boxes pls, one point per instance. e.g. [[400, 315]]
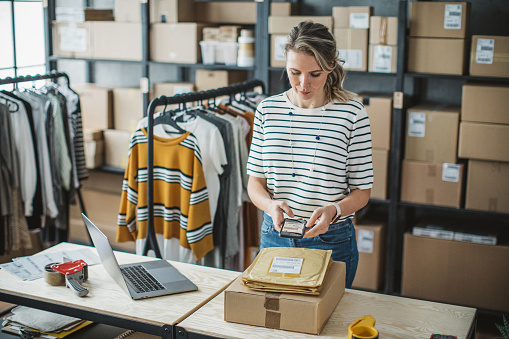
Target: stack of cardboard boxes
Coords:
[[383, 41], [351, 29], [371, 244], [439, 34]]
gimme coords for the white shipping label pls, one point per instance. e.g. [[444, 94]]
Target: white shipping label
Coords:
[[452, 16], [417, 124], [181, 90], [484, 51], [365, 240], [382, 59], [73, 39], [286, 265], [352, 58], [451, 172], [279, 45], [359, 20]]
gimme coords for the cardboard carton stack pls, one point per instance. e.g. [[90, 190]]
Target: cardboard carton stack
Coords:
[[383, 41], [379, 108], [484, 141], [431, 173], [438, 37], [280, 27], [351, 29]]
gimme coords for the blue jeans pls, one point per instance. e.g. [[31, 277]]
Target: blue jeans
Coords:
[[340, 238]]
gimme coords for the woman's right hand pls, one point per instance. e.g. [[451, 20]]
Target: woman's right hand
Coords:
[[276, 210]]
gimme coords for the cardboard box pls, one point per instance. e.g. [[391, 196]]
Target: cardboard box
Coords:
[[379, 108], [116, 147], [117, 40], [474, 110], [383, 58], [484, 141], [237, 12], [94, 148], [170, 89], [72, 40], [171, 11], [432, 133], [284, 24], [352, 45], [128, 10], [92, 14], [127, 108], [96, 106], [291, 312], [380, 171], [488, 56], [371, 245], [456, 272], [210, 34], [437, 56], [277, 54], [432, 183], [440, 19], [383, 30], [357, 17], [487, 186], [185, 42], [206, 79]]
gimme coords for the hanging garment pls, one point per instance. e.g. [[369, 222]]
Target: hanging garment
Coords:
[[181, 206]]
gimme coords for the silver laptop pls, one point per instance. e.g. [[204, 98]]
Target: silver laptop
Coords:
[[139, 280]]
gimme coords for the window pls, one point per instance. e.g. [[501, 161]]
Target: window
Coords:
[[22, 39]]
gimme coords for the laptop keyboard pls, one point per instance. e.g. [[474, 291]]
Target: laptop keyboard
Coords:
[[140, 279]]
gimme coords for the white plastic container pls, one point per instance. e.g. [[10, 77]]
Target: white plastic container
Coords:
[[208, 52], [230, 50], [246, 49]]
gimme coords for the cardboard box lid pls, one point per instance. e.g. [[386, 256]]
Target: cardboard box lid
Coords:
[[284, 24], [295, 312]]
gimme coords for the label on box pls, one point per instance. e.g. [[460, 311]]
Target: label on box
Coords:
[[451, 172], [365, 240], [417, 124], [352, 57], [359, 20], [181, 90], [73, 39], [286, 265], [279, 52], [452, 16], [484, 51], [382, 59]]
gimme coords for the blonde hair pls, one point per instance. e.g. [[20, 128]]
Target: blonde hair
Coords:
[[316, 40]]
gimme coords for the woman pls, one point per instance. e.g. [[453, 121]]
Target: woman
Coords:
[[310, 156]]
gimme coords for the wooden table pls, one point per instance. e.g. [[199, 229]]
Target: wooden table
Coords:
[[396, 317], [107, 303]]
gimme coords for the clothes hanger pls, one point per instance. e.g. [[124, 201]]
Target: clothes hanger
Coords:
[[167, 119]]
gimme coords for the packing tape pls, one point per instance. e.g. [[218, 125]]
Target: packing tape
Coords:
[[383, 31], [272, 314], [53, 277]]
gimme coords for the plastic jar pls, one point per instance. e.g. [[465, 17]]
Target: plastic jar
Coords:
[[246, 40]]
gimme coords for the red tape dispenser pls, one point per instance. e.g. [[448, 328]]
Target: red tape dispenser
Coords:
[[75, 272]]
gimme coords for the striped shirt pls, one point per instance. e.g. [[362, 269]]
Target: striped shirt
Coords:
[[181, 203], [330, 152]]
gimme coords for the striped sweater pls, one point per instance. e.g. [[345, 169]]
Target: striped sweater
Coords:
[[181, 205], [307, 179]]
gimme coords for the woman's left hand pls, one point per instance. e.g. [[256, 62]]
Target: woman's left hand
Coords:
[[322, 216]]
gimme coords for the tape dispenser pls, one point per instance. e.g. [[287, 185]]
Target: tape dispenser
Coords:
[[363, 328], [74, 273]]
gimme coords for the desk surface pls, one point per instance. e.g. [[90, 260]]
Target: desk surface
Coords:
[[105, 296], [396, 317]]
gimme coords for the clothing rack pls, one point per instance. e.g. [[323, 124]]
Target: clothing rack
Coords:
[[53, 75], [151, 242]]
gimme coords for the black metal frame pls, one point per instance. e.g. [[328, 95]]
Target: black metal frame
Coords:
[[151, 242], [51, 75]]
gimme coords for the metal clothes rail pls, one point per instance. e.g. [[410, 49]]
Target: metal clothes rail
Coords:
[[151, 242], [53, 75]]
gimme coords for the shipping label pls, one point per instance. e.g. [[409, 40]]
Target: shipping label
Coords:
[[73, 39], [451, 172], [365, 239], [279, 52], [286, 265], [452, 16], [484, 51], [352, 58], [382, 59], [417, 124], [359, 20]]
